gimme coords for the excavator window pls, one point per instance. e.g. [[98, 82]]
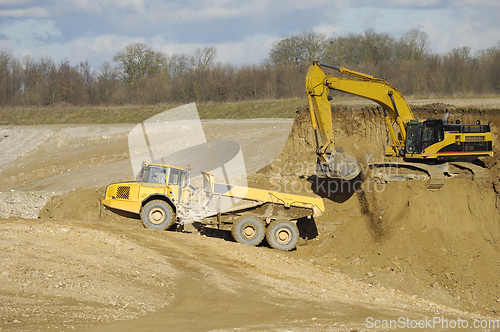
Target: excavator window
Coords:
[[421, 135], [413, 137], [432, 133]]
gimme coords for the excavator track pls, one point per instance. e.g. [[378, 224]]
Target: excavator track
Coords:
[[436, 175], [480, 173]]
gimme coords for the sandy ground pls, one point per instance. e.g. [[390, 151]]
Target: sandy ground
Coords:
[[405, 254]]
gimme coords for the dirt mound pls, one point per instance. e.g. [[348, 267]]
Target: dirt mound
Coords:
[[441, 245], [83, 204]]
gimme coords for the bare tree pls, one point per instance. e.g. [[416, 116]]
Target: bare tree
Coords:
[[88, 79], [302, 47], [343, 50], [48, 81], [178, 64], [459, 70], [106, 81], [377, 46], [413, 45], [489, 61], [5, 75], [204, 58], [355, 49]]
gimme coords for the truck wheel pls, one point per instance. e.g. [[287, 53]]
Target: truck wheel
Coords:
[[157, 215], [248, 230], [282, 235]]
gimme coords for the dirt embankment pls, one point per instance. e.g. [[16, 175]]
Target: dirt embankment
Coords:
[[441, 245], [402, 246]]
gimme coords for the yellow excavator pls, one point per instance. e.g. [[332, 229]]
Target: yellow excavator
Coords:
[[417, 140]]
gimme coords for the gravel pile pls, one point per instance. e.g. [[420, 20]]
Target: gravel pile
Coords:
[[23, 204]]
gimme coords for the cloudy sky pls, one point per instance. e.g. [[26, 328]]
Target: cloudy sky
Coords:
[[242, 31]]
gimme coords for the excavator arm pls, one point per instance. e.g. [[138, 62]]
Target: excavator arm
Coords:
[[318, 85]]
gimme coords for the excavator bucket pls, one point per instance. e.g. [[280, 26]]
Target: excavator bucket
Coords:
[[340, 166]]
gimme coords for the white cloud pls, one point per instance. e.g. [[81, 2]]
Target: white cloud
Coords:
[[249, 51], [34, 12], [446, 36], [212, 11], [203, 11], [34, 37], [412, 3], [14, 2], [294, 5], [327, 29], [470, 34], [476, 3], [166, 25], [99, 49], [440, 42], [5, 45], [102, 6], [112, 43], [29, 31], [103, 48]]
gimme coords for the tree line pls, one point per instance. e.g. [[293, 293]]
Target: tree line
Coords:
[[140, 75]]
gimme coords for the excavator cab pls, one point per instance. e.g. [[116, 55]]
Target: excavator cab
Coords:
[[422, 134], [432, 138]]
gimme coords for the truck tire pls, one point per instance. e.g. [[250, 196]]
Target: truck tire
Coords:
[[157, 214], [282, 235], [248, 230]]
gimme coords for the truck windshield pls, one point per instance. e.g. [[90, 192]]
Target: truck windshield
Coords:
[[153, 174]]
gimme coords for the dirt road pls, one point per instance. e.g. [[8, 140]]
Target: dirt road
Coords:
[[71, 274], [80, 267]]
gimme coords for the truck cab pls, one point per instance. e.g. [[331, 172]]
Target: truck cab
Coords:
[[158, 174]]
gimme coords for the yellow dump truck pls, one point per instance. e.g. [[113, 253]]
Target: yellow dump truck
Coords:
[[250, 214]]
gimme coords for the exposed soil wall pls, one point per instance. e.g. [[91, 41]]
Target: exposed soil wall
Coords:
[[438, 244]]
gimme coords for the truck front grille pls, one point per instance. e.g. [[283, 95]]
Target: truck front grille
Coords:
[[123, 192]]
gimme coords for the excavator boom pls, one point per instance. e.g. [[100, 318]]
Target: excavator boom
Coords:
[[362, 85]]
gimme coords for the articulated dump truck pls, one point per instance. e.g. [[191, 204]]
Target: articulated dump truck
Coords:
[[250, 214]]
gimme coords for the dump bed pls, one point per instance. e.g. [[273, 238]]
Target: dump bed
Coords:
[[253, 196]]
